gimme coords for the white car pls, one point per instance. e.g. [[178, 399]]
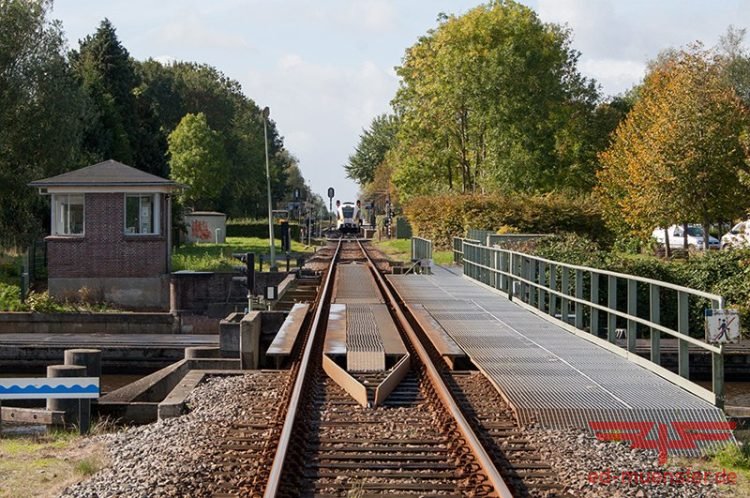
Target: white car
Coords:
[[738, 236], [677, 237]]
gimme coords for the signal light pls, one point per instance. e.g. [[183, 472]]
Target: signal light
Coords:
[[248, 270]]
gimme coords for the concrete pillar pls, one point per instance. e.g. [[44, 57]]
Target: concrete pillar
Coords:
[[250, 327], [89, 358], [197, 352], [69, 406]]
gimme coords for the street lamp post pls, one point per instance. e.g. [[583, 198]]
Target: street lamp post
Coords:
[[265, 113]]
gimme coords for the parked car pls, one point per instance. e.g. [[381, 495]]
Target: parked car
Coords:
[[677, 237], [738, 236]]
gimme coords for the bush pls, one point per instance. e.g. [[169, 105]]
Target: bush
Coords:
[[258, 228], [440, 218]]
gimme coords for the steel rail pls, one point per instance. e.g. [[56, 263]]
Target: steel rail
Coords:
[[483, 459], [274, 477]]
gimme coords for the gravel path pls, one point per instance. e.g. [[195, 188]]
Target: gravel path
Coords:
[[177, 456], [593, 468]]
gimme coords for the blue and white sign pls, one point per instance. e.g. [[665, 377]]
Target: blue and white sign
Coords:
[[43, 387]]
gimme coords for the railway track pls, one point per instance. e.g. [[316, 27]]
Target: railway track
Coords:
[[438, 433]]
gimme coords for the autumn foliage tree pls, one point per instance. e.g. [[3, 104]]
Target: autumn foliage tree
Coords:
[[677, 157]]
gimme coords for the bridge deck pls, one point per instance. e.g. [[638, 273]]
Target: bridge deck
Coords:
[[546, 373]]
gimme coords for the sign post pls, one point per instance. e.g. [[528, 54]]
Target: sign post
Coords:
[[331, 193]]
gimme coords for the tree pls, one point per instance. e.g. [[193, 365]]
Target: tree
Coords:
[[184, 87], [198, 161], [41, 115], [373, 146], [677, 157], [122, 125], [492, 100]]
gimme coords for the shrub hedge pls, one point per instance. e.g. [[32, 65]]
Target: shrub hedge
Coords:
[[258, 228], [440, 218]]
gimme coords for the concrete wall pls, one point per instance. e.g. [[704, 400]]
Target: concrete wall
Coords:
[[86, 323], [215, 293], [141, 293]]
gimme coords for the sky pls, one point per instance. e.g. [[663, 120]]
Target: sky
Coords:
[[326, 68]]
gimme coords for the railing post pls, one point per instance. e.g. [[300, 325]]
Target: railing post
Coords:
[[541, 280], [503, 266], [496, 268], [594, 327], [632, 331], [655, 317], [683, 327], [511, 273], [553, 287], [611, 304], [413, 249], [717, 376], [579, 295], [531, 277], [565, 288]]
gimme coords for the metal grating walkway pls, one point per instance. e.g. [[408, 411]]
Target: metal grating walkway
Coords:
[[548, 374], [364, 346], [355, 285]]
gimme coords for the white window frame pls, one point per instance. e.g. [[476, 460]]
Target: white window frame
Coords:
[[155, 206], [58, 227]]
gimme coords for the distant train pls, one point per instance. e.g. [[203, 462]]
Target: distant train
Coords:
[[348, 218]]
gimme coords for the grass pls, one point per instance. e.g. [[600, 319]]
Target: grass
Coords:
[[44, 465], [218, 257], [400, 250]]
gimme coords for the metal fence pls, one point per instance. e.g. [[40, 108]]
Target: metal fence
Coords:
[[420, 249], [458, 249], [601, 305], [479, 235]]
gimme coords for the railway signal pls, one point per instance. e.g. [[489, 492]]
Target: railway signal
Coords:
[[248, 272]]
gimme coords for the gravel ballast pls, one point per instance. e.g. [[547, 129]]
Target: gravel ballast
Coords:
[[178, 456]]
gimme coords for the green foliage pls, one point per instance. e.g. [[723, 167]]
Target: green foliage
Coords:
[[492, 100], [440, 218], [733, 457], [258, 229], [41, 112], [373, 145], [198, 161], [121, 124]]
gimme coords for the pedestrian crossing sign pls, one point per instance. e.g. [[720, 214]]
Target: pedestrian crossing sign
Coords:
[[722, 326]]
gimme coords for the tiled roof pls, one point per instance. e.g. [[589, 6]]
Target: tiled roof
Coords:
[[106, 173]]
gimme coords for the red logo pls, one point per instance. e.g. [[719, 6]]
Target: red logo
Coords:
[[687, 434]]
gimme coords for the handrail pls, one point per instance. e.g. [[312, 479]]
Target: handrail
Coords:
[[277, 467], [534, 280], [420, 248]]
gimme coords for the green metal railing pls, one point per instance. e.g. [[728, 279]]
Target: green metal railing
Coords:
[[458, 249], [592, 302], [479, 235], [420, 249]]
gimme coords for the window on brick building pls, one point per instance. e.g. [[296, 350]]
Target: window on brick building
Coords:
[[67, 214], [142, 214]]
